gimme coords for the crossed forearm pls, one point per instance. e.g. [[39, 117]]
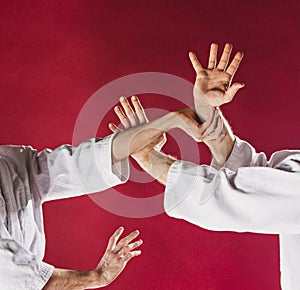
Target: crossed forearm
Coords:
[[136, 138], [221, 149], [156, 163]]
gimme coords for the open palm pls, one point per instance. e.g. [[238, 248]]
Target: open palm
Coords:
[[117, 255], [213, 85]]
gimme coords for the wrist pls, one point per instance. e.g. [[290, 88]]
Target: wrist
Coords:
[[94, 279], [205, 114], [142, 157]]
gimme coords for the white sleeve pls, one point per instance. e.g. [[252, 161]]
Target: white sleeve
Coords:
[[19, 269], [244, 155], [289, 261], [256, 198], [70, 171]]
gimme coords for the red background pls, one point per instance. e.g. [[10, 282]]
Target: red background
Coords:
[[55, 55]]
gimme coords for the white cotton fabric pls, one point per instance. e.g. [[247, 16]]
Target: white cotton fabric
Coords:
[[27, 179], [249, 194]]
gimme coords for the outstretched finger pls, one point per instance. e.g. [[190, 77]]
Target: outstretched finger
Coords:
[[130, 255], [122, 117], [139, 110], [125, 250], [212, 61], [225, 57], [114, 238], [124, 242], [195, 62], [128, 111], [235, 64]]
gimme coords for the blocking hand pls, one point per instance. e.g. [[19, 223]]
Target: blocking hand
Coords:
[[213, 85], [131, 117]]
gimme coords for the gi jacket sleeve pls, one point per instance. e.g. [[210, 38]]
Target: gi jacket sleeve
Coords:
[[250, 193], [70, 171]]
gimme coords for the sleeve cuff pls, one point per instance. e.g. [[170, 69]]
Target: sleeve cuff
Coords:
[[115, 173], [244, 155], [173, 193], [173, 173], [234, 155], [45, 273]]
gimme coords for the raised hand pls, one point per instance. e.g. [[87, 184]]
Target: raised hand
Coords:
[[131, 117], [117, 255], [213, 85]]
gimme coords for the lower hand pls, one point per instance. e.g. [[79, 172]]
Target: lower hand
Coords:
[[117, 255], [114, 260]]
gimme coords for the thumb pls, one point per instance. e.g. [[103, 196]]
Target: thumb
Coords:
[[232, 90], [113, 127]]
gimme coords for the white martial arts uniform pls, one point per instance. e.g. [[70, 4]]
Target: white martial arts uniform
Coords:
[[27, 179], [249, 194]]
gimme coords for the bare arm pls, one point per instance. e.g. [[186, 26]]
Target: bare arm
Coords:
[[70, 279], [212, 89], [221, 148], [111, 265], [137, 136], [150, 158], [156, 163]]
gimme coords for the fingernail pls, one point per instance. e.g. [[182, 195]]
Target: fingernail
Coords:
[[122, 99], [133, 98]]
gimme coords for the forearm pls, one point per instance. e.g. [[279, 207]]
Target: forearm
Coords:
[[62, 279], [221, 149], [155, 163], [134, 139]]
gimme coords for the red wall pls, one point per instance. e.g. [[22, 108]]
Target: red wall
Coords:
[[55, 55]]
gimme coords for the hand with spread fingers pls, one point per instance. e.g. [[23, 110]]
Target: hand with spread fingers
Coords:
[[131, 117], [117, 255], [213, 85]]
